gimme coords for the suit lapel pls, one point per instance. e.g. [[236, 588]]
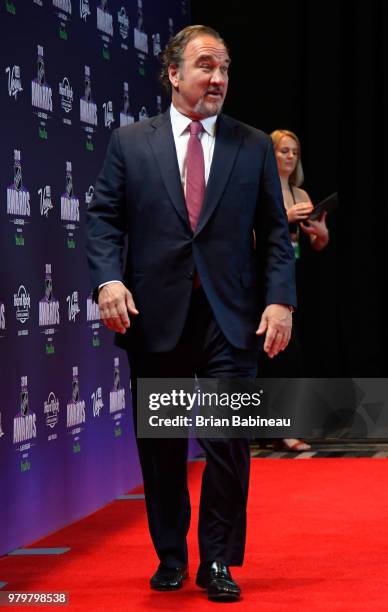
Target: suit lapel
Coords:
[[228, 141], [162, 143]]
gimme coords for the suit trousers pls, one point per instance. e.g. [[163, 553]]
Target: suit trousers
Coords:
[[203, 351]]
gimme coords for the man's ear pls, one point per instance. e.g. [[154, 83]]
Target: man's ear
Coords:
[[173, 75]]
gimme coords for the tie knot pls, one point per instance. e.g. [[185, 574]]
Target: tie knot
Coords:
[[196, 128]]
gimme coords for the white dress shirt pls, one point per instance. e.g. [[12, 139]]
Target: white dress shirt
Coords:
[[180, 129]]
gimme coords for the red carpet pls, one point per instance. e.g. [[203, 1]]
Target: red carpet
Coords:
[[317, 540]]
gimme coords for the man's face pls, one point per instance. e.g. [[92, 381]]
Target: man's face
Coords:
[[200, 84]]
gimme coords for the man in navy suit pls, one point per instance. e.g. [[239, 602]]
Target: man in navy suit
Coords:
[[208, 269]]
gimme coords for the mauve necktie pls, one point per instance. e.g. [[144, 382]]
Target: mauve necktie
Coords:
[[195, 174]]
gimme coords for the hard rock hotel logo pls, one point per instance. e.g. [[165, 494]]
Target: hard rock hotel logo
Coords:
[[18, 200], [22, 305], [14, 81], [126, 117], [51, 414], [67, 97], [49, 311], [41, 94], [123, 20]]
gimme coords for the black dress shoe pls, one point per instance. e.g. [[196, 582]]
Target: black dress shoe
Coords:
[[168, 578], [216, 578]]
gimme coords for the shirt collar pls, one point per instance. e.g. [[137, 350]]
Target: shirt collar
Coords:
[[180, 122]]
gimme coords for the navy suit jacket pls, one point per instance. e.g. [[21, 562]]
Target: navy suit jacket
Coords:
[[138, 232]]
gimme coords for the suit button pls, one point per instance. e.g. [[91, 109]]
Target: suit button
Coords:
[[190, 276]]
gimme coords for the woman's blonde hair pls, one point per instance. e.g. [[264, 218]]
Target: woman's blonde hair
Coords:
[[297, 177]]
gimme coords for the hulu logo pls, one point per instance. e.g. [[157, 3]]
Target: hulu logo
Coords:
[[76, 447], [10, 7], [141, 71], [50, 349], [105, 53], [25, 466], [62, 34], [96, 341], [43, 133], [70, 243], [89, 146], [19, 240], [118, 432]]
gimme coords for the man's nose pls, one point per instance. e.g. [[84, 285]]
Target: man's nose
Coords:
[[218, 77]]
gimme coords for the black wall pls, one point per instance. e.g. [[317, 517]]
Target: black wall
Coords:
[[320, 69]]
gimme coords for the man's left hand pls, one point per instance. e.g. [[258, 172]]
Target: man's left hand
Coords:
[[276, 324]]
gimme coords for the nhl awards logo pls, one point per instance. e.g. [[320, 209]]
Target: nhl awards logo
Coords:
[[108, 113], [22, 305], [105, 26], [88, 110], [18, 199], [98, 404], [93, 317], [123, 27], [117, 395], [156, 46], [41, 92], [63, 5], [84, 9], [66, 93], [75, 411], [51, 413], [49, 311], [104, 18], [14, 81], [140, 37], [24, 424], [72, 306], [45, 203], [126, 117], [69, 207]]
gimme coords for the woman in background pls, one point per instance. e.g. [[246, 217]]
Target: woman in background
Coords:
[[298, 206]]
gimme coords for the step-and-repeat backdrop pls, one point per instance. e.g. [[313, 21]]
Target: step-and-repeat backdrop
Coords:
[[70, 72]]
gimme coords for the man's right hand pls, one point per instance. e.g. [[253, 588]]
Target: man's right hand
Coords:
[[115, 302]]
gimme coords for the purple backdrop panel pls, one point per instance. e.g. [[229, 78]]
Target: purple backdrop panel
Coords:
[[72, 71]]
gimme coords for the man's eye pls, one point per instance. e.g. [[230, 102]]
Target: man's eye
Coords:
[[206, 66]]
